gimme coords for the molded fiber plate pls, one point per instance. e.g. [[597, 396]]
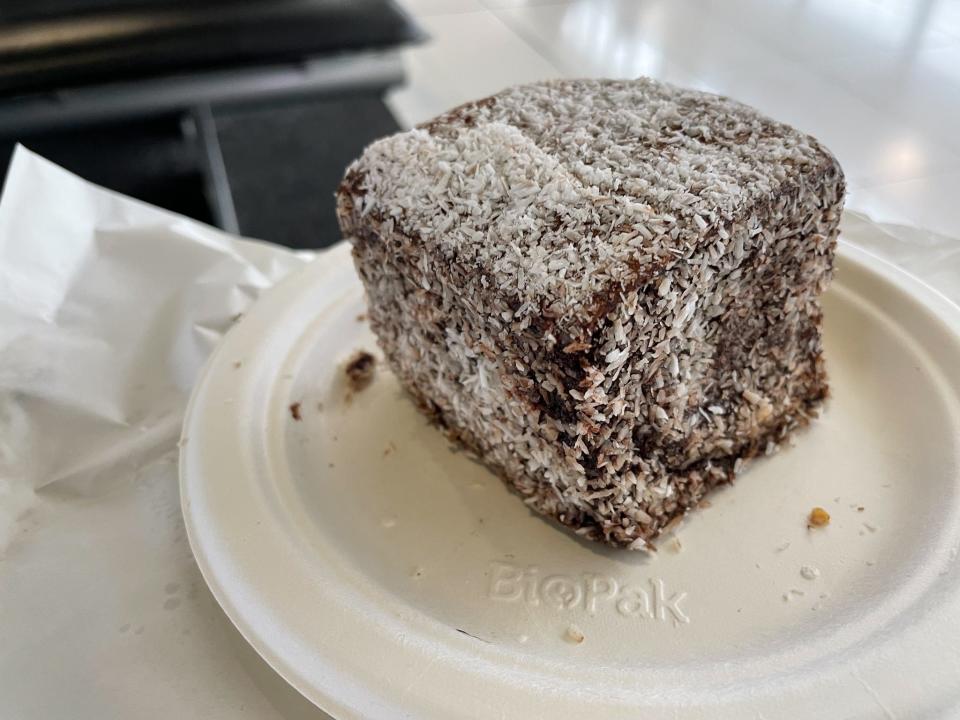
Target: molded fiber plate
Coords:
[[384, 574]]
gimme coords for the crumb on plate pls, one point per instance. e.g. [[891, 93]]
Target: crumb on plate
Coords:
[[360, 369], [818, 518], [808, 572], [574, 635]]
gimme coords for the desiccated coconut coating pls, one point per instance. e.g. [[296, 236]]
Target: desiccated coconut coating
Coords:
[[607, 289]]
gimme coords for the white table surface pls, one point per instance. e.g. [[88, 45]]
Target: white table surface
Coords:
[[103, 613]]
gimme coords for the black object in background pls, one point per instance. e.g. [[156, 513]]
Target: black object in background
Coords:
[[150, 159], [55, 44], [284, 162], [241, 113]]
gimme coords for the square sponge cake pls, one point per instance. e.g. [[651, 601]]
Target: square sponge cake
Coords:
[[608, 290]]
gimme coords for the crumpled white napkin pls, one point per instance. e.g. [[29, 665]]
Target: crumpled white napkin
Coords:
[[930, 256], [108, 308]]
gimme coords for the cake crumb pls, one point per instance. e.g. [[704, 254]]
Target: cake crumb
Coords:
[[360, 369], [808, 572], [237, 364], [704, 504], [644, 545], [674, 524], [574, 635], [295, 411], [391, 446], [860, 508], [676, 545], [818, 518], [361, 317]]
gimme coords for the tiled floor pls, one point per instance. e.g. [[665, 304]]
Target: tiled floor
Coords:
[[877, 80]]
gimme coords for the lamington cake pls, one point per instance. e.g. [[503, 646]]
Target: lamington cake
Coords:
[[608, 290]]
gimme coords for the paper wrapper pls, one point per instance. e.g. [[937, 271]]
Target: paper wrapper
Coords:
[[108, 309]]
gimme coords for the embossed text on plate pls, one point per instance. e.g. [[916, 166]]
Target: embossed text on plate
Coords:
[[588, 592]]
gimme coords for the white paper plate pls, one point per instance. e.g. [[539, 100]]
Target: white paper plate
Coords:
[[384, 575]]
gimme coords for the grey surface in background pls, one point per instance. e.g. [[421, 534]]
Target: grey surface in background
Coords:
[[284, 162]]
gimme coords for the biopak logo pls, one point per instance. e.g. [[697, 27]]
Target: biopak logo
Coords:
[[588, 593]]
